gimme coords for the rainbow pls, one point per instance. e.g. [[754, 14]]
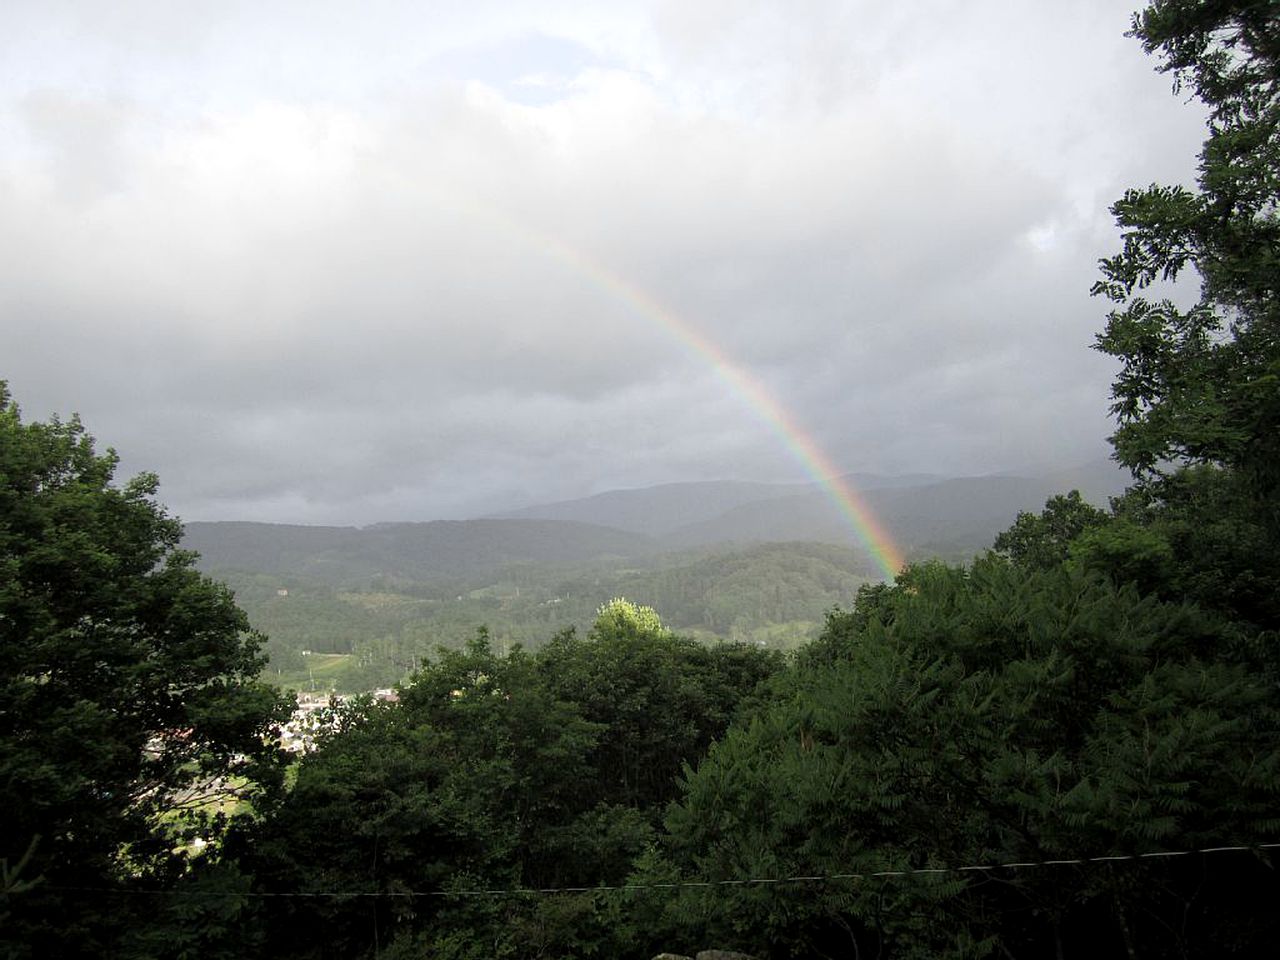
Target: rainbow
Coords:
[[797, 441], [853, 509]]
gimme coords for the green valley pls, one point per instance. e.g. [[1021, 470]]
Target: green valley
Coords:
[[359, 636]]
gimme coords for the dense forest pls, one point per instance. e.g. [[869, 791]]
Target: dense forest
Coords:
[[354, 609], [359, 608], [1067, 747], [352, 640]]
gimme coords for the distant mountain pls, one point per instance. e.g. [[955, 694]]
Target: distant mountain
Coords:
[[1097, 481], [716, 559], [879, 481], [656, 511], [924, 515], [661, 510], [808, 516], [412, 551], [951, 518]]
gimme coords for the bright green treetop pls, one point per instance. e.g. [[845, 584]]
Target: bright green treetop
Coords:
[[621, 617]]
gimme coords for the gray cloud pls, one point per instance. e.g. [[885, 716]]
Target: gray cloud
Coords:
[[417, 264]]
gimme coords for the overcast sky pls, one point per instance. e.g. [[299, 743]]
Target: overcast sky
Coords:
[[338, 262]]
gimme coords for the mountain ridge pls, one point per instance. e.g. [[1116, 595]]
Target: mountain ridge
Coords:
[[411, 550], [951, 518]]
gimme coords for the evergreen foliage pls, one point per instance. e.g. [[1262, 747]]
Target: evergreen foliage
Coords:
[[493, 772], [998, 715]]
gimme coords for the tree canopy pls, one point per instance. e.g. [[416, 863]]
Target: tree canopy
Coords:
[[1203, 384], [993, 715], [127, 685], [529, 770], [1036, 754]]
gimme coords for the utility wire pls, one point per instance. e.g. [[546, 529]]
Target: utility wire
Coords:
[[673, 885]]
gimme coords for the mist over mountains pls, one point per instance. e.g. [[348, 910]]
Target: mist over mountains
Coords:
[[926, 515], [441, 549]]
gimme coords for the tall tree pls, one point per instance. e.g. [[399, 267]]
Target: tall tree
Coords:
[[545, 769], [128, 688], [1203, 384], [1044, 541]]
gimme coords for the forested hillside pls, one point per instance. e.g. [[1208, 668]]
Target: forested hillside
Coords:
[[772, 595], [927, 515], [408, 552], [721, 561]]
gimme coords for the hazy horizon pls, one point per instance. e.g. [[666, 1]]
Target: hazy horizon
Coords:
[[784, 489]]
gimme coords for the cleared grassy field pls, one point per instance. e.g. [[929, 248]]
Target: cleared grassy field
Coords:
[[323, 671]]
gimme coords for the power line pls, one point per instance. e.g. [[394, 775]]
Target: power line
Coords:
[[675, 884]]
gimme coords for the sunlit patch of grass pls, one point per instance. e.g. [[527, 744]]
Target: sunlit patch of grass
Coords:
[[325, 670]]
